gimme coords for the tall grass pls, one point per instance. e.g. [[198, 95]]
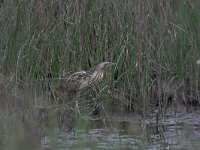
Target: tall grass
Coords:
[[152, 43]]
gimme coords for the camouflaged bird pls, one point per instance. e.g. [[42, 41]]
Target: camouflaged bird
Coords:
[[83, 79]]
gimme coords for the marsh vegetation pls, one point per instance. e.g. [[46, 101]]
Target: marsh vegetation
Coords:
[[155, 45]]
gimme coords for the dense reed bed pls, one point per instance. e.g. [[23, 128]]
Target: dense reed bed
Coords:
[[154, 44]]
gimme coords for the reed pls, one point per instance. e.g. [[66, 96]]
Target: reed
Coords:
[[153, 43]]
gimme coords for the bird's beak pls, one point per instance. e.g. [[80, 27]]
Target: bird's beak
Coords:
[[110, 64]]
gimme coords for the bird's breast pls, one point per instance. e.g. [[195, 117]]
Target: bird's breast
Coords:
[[96, 78]]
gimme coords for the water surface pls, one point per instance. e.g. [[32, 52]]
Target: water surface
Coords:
[[180, 130]]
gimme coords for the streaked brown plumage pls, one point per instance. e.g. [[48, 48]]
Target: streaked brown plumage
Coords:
[[83, 79], [77, 82]]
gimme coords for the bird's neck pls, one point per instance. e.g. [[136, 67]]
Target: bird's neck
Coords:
[[98, 72]]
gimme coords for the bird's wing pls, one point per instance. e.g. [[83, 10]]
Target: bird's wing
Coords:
[[81, 75], [77, 80]]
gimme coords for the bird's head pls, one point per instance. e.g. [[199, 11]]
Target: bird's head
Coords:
[[104, 65]]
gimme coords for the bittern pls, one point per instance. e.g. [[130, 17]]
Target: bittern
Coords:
[[83, 79], [79, 81]]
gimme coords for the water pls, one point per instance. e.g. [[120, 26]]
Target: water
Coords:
[[24, 124], [173, 131]]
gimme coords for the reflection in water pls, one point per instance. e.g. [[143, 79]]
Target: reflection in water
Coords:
[[29, 122], [175, 132]]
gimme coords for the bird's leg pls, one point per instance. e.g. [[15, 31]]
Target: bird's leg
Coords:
[[76, 103], [96, 110], [97, 93]]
